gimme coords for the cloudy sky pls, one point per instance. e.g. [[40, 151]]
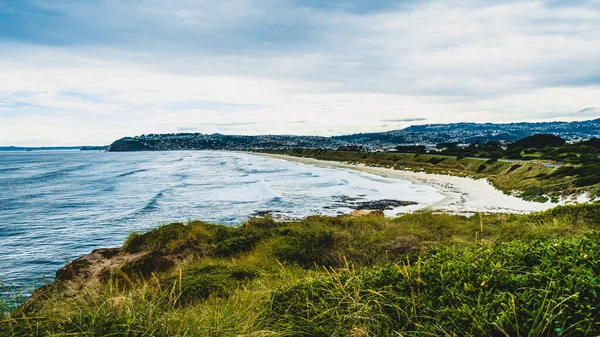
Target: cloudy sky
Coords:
[[90, 71]]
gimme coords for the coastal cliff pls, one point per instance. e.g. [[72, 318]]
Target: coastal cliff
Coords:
[[128, 144], [333, 276]]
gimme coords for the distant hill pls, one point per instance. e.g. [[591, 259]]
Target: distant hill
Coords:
[[539, 141], [54, 148], [417, 134], [482, 132], [47, 148]]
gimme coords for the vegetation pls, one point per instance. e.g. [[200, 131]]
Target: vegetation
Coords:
[[532, 180], [418, 274], [550, 148]]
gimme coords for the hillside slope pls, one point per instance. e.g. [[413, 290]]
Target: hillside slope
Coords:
[[422, 273]]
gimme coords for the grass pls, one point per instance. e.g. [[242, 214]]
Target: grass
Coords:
[[539, 288], [530, 180], [418, 274]]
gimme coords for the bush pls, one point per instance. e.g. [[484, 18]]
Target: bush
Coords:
[[235, 245], [305, 247], [214, 280], [514, 167], [157, 238], [436, 160]]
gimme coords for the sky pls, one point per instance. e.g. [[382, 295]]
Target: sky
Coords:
[[87, 72]]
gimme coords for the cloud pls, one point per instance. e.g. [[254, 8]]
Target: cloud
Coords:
[[399, 120], [187, 129], [249, 65], [232, 124], [586, 110]]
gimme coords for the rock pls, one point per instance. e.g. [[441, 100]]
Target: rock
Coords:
[[267, 213], [357, 204], [367, 212], [384, 204]]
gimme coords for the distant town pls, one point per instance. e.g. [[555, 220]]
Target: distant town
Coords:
[[427, 136]]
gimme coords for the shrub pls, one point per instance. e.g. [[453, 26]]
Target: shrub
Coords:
[[305, 247], [514, 167], [198, 284], [436, 160], [587, 181], [235, 245], [156, 238]]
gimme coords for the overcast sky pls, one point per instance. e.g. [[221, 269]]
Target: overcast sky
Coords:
[[90, 71]]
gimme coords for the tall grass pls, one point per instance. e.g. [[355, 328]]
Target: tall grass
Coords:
[[418, 274], [538, 288]]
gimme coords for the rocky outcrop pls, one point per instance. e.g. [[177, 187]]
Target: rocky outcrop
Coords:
[[86, 271], [367, 212], [129, 144], [356, 203]]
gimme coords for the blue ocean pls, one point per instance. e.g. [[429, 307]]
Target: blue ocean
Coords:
[[58, 205]]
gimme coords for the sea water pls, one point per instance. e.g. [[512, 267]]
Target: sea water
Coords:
[[58, 205]]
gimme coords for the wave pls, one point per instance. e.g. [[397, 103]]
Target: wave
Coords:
[[130, 173], [57, 173], [260, 171], [10, 169], [153, 203], [181, 175], [274, 201]]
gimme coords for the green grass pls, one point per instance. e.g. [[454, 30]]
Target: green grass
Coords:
[[418, 274], [530, 180], [538, 288]]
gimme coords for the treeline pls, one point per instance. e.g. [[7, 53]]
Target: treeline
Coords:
[[584, 155], [544, 147]]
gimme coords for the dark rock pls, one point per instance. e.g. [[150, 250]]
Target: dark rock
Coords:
[[268, 213], [383, 204], [107, 253], [76, 268], [356, 203]]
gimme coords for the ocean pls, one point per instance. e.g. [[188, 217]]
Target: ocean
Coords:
[[58, 205]]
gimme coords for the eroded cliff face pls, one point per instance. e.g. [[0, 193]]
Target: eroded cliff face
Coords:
[[98, 267]]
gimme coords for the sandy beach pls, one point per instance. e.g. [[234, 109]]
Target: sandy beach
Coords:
[[461, 195]]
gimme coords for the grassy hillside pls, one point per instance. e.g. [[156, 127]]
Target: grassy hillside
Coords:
[[531, 180], [418, 274]]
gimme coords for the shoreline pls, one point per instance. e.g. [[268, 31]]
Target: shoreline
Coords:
[[462, 195]]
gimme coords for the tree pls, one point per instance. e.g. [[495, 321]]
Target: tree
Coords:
[[539, 141]]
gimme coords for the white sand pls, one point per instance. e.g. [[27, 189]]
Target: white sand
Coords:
[[462, 195]]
